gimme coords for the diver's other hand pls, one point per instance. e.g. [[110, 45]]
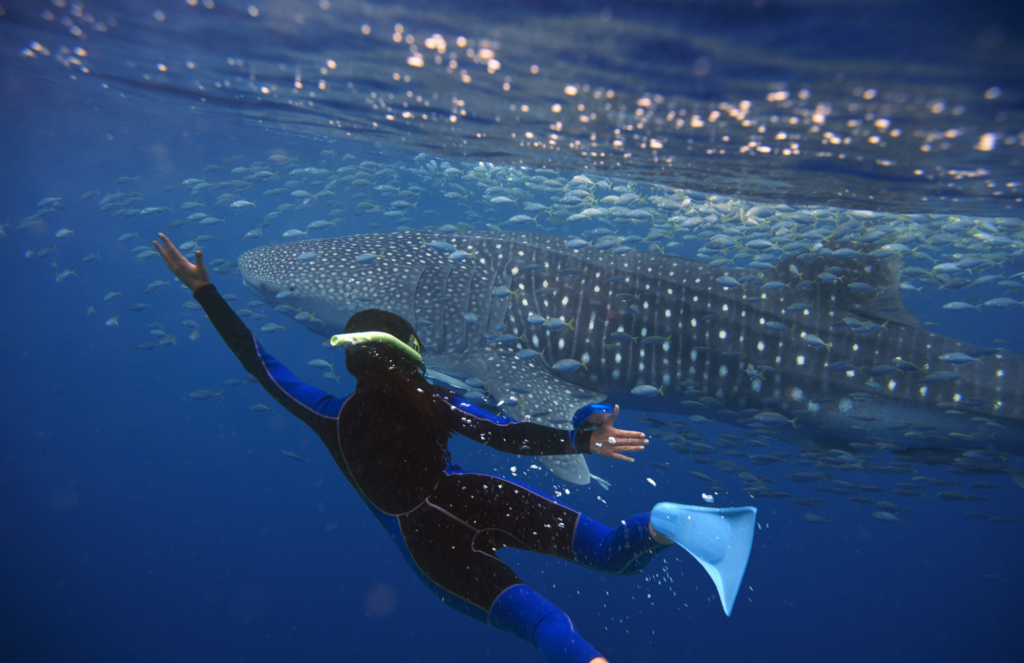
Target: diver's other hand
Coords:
[[194, 276], [611, 442]]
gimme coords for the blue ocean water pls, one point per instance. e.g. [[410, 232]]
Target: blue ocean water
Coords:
[[141, 524]]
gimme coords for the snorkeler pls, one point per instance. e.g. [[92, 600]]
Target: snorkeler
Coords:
[[390, 440]]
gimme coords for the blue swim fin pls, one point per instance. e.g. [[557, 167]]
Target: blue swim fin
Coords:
[[720, 539]]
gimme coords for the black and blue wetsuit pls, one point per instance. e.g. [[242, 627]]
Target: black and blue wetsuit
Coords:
[[450, 524]]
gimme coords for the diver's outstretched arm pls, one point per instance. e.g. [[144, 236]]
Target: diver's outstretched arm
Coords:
[[530, 439], [315, 407]]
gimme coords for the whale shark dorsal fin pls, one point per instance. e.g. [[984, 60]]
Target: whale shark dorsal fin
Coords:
[[526, 389], [882, 303]]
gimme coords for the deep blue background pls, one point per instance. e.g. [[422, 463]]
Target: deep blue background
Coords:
[[139, 524]]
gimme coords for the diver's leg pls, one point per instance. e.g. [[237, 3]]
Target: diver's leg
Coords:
[[625, 550], [509, 513], [460, 566], [529, 616], [720, 539]]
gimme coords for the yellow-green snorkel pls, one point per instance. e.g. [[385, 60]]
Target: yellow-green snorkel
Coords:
[[380, 337]]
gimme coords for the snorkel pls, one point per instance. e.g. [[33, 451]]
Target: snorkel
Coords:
[[357, 338]]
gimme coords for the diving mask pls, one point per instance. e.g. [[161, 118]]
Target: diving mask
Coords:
[[380, 337]]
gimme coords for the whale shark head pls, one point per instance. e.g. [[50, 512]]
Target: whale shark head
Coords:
[[333, 279]]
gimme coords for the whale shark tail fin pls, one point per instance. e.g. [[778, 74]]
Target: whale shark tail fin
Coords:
[[720, 539]]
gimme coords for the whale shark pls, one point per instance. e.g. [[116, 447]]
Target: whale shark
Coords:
[[818, 350]]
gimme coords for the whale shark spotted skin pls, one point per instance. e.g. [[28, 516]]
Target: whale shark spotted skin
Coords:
[[700, 340]]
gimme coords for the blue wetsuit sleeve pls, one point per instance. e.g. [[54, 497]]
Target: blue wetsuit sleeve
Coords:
[[587, 411], [504, 434], [315, 407]]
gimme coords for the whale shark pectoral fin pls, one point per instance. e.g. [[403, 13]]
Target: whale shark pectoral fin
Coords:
[[573, 469], [442, 379], [1018, 476], [526, 390]]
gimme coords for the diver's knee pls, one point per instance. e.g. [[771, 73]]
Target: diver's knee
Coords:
[[518, 611]]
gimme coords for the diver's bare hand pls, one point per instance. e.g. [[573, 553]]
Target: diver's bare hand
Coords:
[[194, 276], [611, 442]]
